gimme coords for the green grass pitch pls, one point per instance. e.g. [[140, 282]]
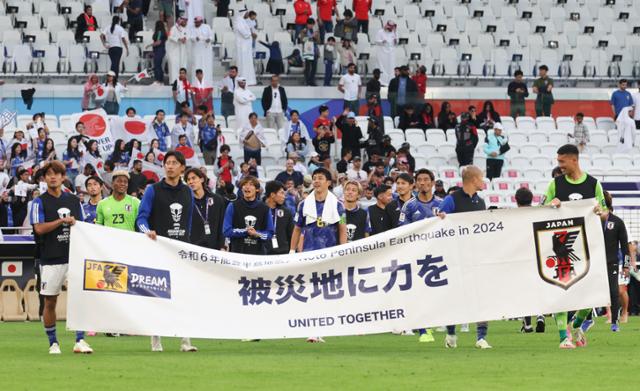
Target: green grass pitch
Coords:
[[377, 362]]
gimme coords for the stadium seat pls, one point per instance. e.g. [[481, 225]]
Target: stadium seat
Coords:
[[529, 150], [519, 162], [436, 136], [526, 123], [545, 123], [518, 138], [538, 137], [601, 161], [605, 123], [396, 135], [508, 123], [598, 137], [31, 301], [11, 299], [448, 172], [558, 137], [622, 161], [414, 136], [533, 173], [502, 184], [549, 149]]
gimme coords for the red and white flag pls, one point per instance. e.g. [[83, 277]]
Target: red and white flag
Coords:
[[126, 128], [190, 155], [136, 154], [96, 125], [142, 75], [152, 171], [159, 156], [100, 92], [11, 269], [96, 162]]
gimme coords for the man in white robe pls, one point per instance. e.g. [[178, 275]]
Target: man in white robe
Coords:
[[243, 102], [626, 130], [386, 41], [244, 47], [192, 9], [177, 48], [201, 38]]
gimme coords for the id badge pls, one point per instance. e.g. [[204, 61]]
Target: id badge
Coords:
[[207, 229], [274, 242]]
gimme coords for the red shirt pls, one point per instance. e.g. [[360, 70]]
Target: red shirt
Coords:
[[361, 9], [325, 9], [322, 121], [421, 81], [303, 11]]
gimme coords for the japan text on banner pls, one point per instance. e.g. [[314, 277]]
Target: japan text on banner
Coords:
[[465, 268], [128, 129], [96, 125]]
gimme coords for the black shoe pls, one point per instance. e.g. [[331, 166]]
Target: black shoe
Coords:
[[526, 329], [540, 326]]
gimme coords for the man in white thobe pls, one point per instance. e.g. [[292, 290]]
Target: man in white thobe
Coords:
[[201, 38], [626, 130], [192, 10], [243, 102], [177, 48], [386, 41], [244, 47]]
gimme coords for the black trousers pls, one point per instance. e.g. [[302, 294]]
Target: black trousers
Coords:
[[494, 168], [612, 272], [115, 54], [310, 72], [465, 157]]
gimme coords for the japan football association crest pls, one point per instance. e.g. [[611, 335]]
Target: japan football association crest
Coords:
[[562, 251]]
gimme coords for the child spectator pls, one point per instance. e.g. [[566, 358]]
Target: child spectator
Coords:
[[580, 134]]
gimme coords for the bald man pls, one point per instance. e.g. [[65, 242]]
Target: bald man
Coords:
[[466, 200]]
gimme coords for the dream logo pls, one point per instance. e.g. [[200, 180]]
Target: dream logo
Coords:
[[562, 251], [121, 278]]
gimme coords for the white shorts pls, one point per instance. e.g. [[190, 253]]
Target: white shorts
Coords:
[[52, 277], [622, 280]]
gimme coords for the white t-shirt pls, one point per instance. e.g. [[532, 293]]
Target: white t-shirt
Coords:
[[115, 39], [636, 102], [80, 179], [276, 103], [357, 175], [351, 84]]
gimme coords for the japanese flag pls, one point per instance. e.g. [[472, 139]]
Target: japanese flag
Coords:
[[143, 75], [152, 171], [12, 269], [159, 156], [190, 155], [95, 162], [136, 154], [128, 129], [100, 92]]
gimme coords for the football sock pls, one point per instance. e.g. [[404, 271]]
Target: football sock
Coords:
[[51, 334], [561, 321], [580, 317], [79, 335]]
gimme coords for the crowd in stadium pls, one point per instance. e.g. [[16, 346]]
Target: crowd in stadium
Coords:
[[318, 200]]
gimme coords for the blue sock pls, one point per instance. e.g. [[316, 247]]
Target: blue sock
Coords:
[[482, 331], [451, 330], [51, 334], [422, 331], [79, 335]]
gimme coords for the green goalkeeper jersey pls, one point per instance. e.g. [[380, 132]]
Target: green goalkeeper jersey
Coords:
[[118, 214]]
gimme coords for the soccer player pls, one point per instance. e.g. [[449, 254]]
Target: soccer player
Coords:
[[404, 188], [274, 197], [573, 184], [524, 198], [320, 221], [208, 213], [615, 239], [119, 210], [247, 221], [166, 210], [421, 207], [358, 226], [466, 200], [378, 218], [93, 184], [52, 215]]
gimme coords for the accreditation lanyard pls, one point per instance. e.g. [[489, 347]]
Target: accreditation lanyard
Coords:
[[205, 218], [274, 238]]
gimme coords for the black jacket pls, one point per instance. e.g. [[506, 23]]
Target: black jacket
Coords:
[[267, 98], [411, 91], [351, 135], [216, 206]]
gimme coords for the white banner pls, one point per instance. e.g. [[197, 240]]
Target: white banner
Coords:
[[466, 268], [96, 125], [127, 129]]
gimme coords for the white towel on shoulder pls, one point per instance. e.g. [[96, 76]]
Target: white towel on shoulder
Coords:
[[330, 213]]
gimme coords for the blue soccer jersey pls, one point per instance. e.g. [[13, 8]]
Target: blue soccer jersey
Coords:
[[416, 210], [90, 212], [319, 235]]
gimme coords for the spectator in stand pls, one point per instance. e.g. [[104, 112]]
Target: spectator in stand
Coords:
[[439, 190], [89, 101], [310, 39], [488, 117], [402, 91], [299, 145], [373, 109], [225, 168], [275, 65], [161, 130], [325, 12], [290, 174], [303, 12], [347, 28], [253, 140], [181, 89], [208, 137], [626, 130], [473, 116], [71, 159], [227, 107], [202, 89], [444, 121], [137, 180], [347, 53], [420, 78], [543, 87], [404, 153], [183, 127], [222, 8], [294, 125], [517, 91], [495, 148], [120, 157], [349, 85], [114, 38], [636, 103], [343, 165], [356, 173], [322, 142], [466, 140], [85, 22], [373, 85], [580, 133], [274, 104], [243, 103], [621, 98], [323, 119], [329, 56], [351, 132], [386, 41], [167, 10], [114, 92], [362, 9], [427, 116], [410, 119], [135, 18], [375, 133]]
